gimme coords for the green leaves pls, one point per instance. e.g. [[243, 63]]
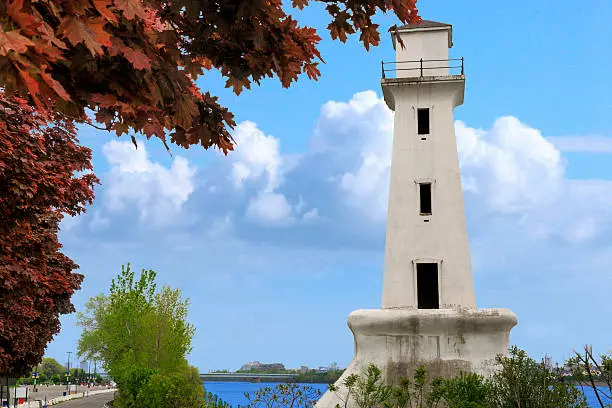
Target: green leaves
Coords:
[[139, 333], [521, 381]]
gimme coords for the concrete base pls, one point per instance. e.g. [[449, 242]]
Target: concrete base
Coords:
[[445, 341]]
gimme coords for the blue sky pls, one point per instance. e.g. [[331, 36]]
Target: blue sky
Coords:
[[276, 244]]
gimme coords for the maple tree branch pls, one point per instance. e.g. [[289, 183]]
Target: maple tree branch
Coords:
[[96, 127]]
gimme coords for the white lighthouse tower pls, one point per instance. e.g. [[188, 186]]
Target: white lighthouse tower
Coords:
[[429, 315]]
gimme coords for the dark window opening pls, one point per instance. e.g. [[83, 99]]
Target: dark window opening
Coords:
[[423, 121], [427, 286], [425, 198]]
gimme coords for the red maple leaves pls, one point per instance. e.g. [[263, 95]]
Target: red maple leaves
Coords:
[[134, 63], [38, 159], [144, 56]]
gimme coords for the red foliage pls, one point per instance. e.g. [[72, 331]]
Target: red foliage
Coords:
[[38, 158], [135, 62]]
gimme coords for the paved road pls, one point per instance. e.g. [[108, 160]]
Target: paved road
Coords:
[[53, 391], [93, 401]]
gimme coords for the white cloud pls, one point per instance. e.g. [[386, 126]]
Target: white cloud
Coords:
[[510, 170], [582, 144], [359, 133], [157, 191], [511, 164], [258, 160], [270, 208], [256, 156]]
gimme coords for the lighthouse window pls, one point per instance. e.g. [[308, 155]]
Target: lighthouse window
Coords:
[[427, 286], [425, 198], [423, 121]]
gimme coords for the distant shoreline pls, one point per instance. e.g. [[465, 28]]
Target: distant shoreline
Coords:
[[597, 384]]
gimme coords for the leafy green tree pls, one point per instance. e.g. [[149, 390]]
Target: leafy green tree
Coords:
[[522, 382], [50, 366], [142, 337], [136, 327]]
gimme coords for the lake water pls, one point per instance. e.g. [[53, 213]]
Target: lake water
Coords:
[[233, 392]]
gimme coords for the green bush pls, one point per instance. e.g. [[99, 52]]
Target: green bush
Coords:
[[466, 391], [147, 388], [522, 382], [130, 385], [519, 382], [369, 390], [175, 390]]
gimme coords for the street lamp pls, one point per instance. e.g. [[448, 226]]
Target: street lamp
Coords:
[[68, 372]]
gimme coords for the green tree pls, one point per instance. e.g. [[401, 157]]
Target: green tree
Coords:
[[136, 327], [522, 382], [142, 337], [49, 367]]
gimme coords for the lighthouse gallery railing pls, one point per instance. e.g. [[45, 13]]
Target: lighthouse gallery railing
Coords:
[[423, 69]]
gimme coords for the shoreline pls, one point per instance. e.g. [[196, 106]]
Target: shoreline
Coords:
[[580, 384]]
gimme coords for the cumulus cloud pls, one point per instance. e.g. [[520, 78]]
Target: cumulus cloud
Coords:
[[258, 161], [359, 134], [511, 165], [256, 156], [156, 191], [510, 170]]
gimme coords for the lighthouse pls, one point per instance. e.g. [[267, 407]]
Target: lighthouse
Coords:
[[429, 315]]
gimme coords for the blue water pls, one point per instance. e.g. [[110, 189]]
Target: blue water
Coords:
[[233, 392]]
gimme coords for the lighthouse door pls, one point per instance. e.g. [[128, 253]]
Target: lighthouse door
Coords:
[[427, 286]]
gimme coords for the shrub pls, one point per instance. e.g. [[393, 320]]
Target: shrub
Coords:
[[146, 388], [522, 382], [466, 391], [369, 390], [176, 390]]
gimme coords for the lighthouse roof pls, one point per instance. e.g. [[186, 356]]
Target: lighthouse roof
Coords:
[[425, 24]]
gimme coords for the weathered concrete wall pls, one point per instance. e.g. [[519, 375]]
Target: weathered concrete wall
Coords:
[[446, 342]]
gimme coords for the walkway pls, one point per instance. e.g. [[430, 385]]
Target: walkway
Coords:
[[93, 401]]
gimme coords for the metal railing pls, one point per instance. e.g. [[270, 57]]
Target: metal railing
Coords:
[[422, 68]]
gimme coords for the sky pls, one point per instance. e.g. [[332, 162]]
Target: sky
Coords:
[[278, 242]]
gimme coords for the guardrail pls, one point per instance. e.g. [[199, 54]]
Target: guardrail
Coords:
[[423, 66]]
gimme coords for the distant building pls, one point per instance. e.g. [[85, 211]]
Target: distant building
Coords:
[[323, 369], [258, 366], [548, 362], [304, 369]]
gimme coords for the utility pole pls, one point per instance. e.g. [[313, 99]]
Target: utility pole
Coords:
[[68, 371]]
